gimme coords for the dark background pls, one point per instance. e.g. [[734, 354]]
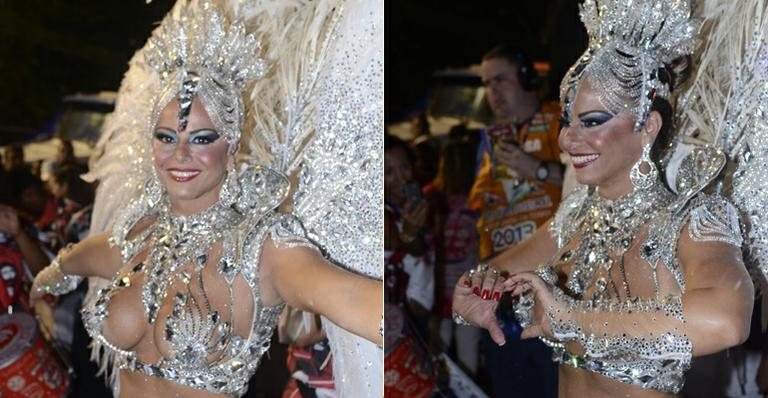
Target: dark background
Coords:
[[53, 48], [425, 36]]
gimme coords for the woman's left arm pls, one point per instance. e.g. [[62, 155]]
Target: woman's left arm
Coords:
[[304, 279], [719, 296]]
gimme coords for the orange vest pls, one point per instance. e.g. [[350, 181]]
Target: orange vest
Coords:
[[511, 209]]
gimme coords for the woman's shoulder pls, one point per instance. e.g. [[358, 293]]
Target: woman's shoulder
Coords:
[[141, 226], [285, 230], [702, 218], [712, 218], [569, 213]]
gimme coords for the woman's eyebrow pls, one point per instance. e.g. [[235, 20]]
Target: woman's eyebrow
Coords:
[[580, 115], [202, 130]]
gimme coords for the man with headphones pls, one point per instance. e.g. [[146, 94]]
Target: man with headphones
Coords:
[[516, 190]]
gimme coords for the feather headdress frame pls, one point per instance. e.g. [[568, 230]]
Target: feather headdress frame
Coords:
[[630, 43], [198, 52]]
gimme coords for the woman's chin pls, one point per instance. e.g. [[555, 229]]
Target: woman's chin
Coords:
[[586, 179], [191, 201]]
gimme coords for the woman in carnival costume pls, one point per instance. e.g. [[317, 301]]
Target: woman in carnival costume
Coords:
[[209, 248], [635, 277]]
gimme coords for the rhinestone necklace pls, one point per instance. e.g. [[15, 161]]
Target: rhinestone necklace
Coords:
[[608, 228]]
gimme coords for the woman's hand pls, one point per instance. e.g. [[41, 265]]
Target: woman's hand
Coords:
[[414, 217], [43, 278], [544, 302], [475, 299]]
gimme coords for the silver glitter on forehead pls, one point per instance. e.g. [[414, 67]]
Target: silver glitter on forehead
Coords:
[[630, 42], [187, 94], [199, 54]]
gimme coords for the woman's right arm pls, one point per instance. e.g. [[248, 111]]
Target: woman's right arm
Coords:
[[91, 257], [529, 254]]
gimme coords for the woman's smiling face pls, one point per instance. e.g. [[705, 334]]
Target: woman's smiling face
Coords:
[[191, 164], [603, 146]]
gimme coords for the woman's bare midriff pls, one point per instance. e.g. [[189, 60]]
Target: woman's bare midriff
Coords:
[[134, 384], [578, 383]]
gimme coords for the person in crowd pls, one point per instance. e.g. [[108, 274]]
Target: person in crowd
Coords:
[[309, 356], [459, 245], [20, 254], [408, 255], [74, 198], [35, 203], [630, 281], [517, 189], [64, 159], [13, 158], [202, 262], [409, 275]]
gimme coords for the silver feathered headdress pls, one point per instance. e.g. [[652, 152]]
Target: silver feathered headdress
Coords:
[[197, 52], [630, 42]]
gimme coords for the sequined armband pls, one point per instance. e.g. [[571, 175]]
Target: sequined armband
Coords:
[[53, 281]]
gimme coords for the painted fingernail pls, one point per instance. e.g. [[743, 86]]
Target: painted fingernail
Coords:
[[496, 296], [486, 293], [467, 283], [476, 290]]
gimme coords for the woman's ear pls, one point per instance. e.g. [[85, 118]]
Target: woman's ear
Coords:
[[652, 126]]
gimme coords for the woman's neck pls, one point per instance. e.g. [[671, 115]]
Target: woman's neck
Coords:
[[188, 207], [615, 189]]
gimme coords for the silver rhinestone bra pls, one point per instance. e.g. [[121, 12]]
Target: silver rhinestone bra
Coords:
[[203, 350], [639, 339]]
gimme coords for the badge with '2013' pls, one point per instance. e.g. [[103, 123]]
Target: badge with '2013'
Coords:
[[511, 235]]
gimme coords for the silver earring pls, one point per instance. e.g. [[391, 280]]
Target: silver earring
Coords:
[[153, 190], [230, 191], [642, 180]]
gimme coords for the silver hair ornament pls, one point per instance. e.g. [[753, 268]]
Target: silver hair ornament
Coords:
[[198, 53], [630, 42]]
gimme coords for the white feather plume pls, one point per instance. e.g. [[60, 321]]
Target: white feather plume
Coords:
[[726, 107]]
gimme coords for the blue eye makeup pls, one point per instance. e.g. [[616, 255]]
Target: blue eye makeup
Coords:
[[197, 137], [166, 136], [203, 137], [594, 118]]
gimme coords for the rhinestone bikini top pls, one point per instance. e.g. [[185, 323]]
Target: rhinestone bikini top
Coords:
[[200, 348]]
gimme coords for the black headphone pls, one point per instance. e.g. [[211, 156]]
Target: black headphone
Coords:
[[526, 73]]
